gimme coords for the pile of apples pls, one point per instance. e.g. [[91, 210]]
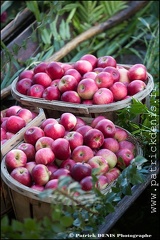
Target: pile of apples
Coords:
[[13, 119], [90, 80], [69, 146]]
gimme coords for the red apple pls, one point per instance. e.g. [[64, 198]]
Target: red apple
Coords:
[[87, 183], [127, 144], [82, 154], [112, 175], [83, 66], [70, 96], [120, 134], [28, 149], [26, 74], [94, 138], [52, 167], [32, 134], [124, 157], [119, 91], [80, 122], [68, 120], [102, 182], [107, 127], [114, 73], [40, 174], [12, 110], [30, 165], [66, 66], [54, 70], [103, 96], [59, 172], [54, 131], [91, 75], [54, 83], [80, 171], [14, 124], [109, 156], [51, 93], [124, 76], [96, 120], [36, 90], [67, 83], [47, 121], [68, 164], [106, 61], [75, 139], [51, 184], [23, 85], [15, 158], [86, 88], [37, 187], [90, 58], [74, 73], [87, 101], [61, 149], [42, 78], [104, 80], [137, 72], [100, 163], [44, 156], [98, 70], [25, 114], [111, 144], [44, 142], [84, 129], [22, 175], [3, 134], [9, 135], [41, 67], [135, 86]]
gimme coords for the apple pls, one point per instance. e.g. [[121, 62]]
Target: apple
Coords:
[[98, 70], [12, 110], [86, 88], [80, 122], [124, 76], [26, 74], [119, 91], [47, 121], [22, 175], [127, 144], [9, 135], [87, 101], [112, 174], [28, 149], [54, 131], [66, 66], [75, 139], [109, 156], [52, 167], [68, 164], [83, 66], [14, 124], [70, 96], [74, 73], [23, 85], [61, 148], [124, 157], [103, 96], [54, 83], [120, 134], [67, 83], [90, 58], [44, 142], [102, 182], [30, 165], [83, 129], [82, 153], [96, 120], [80, 171], [94, 138], [32, 134], [137, 72], [44, 156], [100, 163], [51, 93], [68, 120], [37, 187], [36, 90], [104, 80], [106, 61], [114, 73], [41, 67], [25, 114], [91, 75], [3, 134], [111, 144], [135, 86], [40, 174], [34, 115], [42, 78], [51, 184], [15, 158], [54, 70], [59, 172], [107, 127], [87, 183]]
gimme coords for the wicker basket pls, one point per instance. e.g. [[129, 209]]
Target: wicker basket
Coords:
[[82, 109], [26, 201]]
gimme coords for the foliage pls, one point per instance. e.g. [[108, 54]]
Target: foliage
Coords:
[[79, 215]]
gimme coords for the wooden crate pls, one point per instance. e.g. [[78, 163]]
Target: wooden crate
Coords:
[[26, 201], [55, 108]]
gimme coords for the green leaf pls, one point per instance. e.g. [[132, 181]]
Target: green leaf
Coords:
[[66, 221]]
